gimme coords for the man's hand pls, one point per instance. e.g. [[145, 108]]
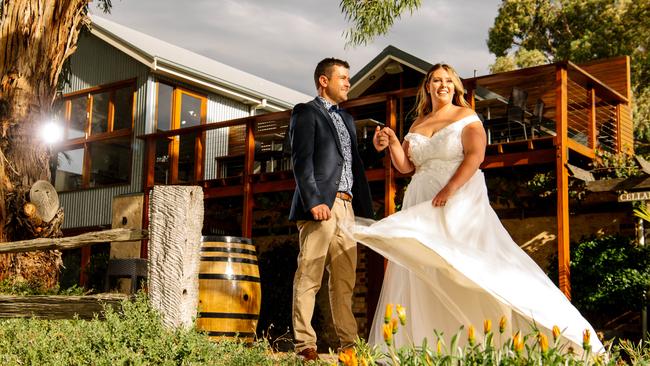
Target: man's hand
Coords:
[[321, 212], [380, 139]]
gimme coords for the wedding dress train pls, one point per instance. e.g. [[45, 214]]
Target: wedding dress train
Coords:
[[457, 265]]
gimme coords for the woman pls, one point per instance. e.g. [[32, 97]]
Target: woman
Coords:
[[451, 262]]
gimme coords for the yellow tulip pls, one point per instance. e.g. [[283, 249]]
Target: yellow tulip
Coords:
[[471, 338], [517, 343], [394, 325], [487, 326], [556, 332], [363, 362], [586, 337], [543, 342], [439, 347], [388, 314], [348, 357], [502, 324], [401, 314], [388, 334]]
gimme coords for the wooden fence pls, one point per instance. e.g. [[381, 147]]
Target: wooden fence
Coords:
[[63, 307]]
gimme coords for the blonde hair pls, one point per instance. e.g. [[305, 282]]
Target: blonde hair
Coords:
[[424, 106]]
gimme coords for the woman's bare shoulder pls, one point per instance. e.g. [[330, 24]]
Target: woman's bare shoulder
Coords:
[[463, 112]]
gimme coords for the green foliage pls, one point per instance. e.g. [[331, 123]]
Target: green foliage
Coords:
[[612, 165], [530, 58], [542, 184], [641, 115], [579, 30], [133, 336], [521, 59], [503, 64], [642, 212], [372, 18], [24, 288], [609, 275]]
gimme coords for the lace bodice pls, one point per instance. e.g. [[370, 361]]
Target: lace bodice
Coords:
[[442, 151]]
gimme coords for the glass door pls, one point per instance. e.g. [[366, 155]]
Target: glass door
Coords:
[[179, 159]]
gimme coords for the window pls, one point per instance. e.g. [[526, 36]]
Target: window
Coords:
[[97, 148], [178, 157]]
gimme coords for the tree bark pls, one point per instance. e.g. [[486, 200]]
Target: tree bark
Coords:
[[36, 37]]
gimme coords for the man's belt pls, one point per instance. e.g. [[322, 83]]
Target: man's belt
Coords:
[[344, 196]]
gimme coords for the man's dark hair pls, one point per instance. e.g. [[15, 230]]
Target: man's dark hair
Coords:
[[325, 68]]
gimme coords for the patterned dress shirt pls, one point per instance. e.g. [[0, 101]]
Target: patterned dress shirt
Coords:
[[345, 184]]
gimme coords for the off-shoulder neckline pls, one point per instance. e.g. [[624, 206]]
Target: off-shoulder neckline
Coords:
[[447, 126]]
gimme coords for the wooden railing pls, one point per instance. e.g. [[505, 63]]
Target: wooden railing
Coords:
[[64, 307], [247, 156]]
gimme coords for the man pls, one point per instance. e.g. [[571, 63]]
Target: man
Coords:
[[330, 187]]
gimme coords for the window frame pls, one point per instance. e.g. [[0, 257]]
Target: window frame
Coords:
[[84, 142], [173, 150]]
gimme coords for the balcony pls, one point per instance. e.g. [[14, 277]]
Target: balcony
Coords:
[[539, 107]]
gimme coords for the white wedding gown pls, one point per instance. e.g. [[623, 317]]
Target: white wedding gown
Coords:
[[457, 265]]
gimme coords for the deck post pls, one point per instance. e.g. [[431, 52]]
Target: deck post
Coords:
[[390, 188], [249, 163], [562, 174]]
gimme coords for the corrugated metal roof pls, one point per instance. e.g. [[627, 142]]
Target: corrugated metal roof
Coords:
[[166, 58]]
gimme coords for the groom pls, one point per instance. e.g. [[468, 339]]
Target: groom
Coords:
[[330, 187]]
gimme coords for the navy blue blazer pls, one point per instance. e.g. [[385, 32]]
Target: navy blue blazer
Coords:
[[318, 162]]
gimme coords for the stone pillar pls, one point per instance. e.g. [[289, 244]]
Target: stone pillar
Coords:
[[175, 223]]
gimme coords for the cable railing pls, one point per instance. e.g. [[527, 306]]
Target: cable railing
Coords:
[[521, 105], [578, 113]]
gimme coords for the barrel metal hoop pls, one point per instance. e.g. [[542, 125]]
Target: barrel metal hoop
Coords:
[[229, 315], [229, 259], [228, 250], [219, 276], [231, 334], [226, 239]]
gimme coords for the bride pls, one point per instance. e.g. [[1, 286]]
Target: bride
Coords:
[[451, 262]]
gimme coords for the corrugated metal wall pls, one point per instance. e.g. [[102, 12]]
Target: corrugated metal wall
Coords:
[[216, 144], [97, 63]]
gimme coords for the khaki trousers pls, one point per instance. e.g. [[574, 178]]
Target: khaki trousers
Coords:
[[323, 245]]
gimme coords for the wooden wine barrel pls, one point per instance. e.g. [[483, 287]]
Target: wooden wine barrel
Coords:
[[230, 292]]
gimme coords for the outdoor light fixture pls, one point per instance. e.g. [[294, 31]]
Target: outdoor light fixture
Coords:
[[51, 132]]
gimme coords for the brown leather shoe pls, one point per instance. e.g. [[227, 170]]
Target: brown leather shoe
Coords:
[[309, 354]]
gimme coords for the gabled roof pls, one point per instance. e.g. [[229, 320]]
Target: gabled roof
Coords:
[[376, 68], [179, 63]]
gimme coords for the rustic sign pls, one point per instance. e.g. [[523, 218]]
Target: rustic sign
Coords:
[[634, 196]]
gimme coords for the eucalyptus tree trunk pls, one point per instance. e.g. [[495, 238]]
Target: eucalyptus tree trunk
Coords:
[[36, 37]]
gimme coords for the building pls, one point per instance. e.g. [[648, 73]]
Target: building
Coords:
[[546, 117]]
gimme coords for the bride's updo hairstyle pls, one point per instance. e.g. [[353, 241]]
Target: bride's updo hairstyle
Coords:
[[424, 105]]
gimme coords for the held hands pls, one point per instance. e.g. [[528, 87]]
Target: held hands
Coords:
[[321, 212], [383, 138]]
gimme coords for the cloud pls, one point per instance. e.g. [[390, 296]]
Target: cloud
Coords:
[[282, 42]]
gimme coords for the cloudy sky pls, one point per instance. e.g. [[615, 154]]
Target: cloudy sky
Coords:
[[282, 40]]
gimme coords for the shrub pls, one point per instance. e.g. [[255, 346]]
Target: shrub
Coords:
[[609, 275], [133, 336]]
